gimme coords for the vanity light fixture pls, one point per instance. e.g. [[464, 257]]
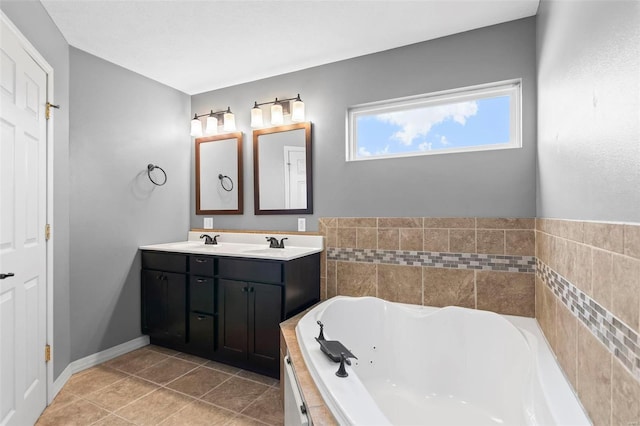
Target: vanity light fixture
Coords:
[[229, 122], [278, 110]]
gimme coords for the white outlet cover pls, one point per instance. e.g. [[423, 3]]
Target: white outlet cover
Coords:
[[208, 223], [302, 224]]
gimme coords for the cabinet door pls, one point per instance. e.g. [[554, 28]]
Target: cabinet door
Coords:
[[164, 303], [232, 319], [265, 305]]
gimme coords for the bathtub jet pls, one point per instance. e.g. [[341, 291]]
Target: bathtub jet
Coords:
[[444, 366]]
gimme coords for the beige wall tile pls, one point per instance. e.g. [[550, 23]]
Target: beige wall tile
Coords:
[[399, 222], [594, 377], [558, 256], [490, 241], [581, 268], [632, 240], [411, 239], [542, 247], [356, 279], [347, 237], [444, 287], [449, 222], [570, 229], [332, 268], [323, 288], [508, 293], [602, 277], [625, 396], [367, 238], [625, 294], [436, 240], [505, 223], [566, 342], [399, 283], [462, 240], [546, 311], [329, 222], [357, 222], [542, 224], [521, 243], [389, 239], [332, 237], [606, 236]]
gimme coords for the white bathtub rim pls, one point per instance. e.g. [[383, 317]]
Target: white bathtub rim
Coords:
[[563, 404]]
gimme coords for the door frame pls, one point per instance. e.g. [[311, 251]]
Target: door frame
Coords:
[[48, 69]]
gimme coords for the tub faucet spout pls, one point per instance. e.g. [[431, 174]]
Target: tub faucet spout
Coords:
[[321, 335]]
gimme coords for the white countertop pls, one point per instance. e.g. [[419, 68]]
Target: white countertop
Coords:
[[245, 245]]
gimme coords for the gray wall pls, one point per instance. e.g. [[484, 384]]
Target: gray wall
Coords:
[[589, 110], [34, 23], [491, 183], [120, 122]]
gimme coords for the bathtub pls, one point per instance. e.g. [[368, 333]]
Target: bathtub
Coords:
[[437, 366]]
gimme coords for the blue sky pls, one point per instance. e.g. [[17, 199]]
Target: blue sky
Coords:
[[450, 126]]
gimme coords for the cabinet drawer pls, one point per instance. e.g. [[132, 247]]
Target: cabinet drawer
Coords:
[[250, 270], [169, 262], [201, 329], [202, 265], [201, 299]]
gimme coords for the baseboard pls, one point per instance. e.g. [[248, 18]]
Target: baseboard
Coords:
[[95, 359]]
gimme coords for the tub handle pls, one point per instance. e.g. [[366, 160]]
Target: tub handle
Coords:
[[342, 371]]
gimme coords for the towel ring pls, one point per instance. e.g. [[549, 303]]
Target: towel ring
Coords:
[[152, 167], [222, 178]]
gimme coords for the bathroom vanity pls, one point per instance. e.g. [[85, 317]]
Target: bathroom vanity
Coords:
[[225, 302]]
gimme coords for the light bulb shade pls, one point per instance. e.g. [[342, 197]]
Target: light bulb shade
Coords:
[[297, 111], [229, 122], [277, 117], [196, 128], [212, 125], [256, 117]]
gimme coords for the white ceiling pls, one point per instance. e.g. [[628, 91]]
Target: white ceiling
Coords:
[[197, 46]]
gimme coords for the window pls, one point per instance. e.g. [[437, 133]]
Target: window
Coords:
[[468, 119]]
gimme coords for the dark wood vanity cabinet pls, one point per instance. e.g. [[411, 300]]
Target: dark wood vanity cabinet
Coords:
[[164, 298], [249, 317], [230, 308]]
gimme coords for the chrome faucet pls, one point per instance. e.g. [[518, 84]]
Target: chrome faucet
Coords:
[[273, 242], [209, 240]]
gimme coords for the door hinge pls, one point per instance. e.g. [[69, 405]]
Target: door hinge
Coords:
[[47, 232], [47, 109], [47, 353]]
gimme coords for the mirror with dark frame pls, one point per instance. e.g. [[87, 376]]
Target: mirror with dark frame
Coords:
[[219, 174], [282, 172]]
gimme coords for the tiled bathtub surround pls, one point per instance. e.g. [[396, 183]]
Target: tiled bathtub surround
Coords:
[[471, 262], [588, 305]]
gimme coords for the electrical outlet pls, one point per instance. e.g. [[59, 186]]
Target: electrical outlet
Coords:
[[208, 223], [302, 224]]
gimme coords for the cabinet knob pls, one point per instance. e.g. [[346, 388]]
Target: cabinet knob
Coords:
[[201, 260], [201, 280], [201, 317]]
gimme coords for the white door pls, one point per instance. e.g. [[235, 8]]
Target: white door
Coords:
[[295, 179], [23, 204]]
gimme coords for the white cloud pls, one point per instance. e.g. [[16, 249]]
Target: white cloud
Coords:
[[362, 152], [425, 146], [444, 141], [418, 122]]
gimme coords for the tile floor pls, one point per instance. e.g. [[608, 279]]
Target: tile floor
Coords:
[[159, 386]]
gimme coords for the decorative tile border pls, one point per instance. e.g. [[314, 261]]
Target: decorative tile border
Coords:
[[482, 262], [622, 341]]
